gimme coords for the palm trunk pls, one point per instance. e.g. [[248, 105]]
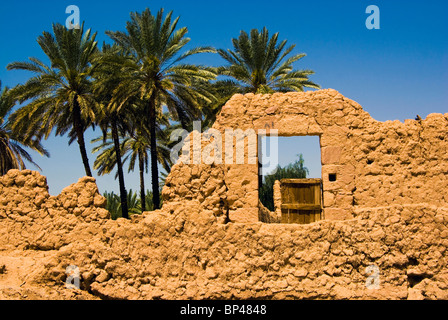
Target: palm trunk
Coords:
[[182, 118], [77, 124], [141, 165], [123, 193], [154, 158]]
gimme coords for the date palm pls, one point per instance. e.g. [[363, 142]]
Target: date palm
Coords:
[[134, 204], [259, 64], [135, 147], [112, 117], [158, 73], [59, 95], [12, 143], [137, 150]]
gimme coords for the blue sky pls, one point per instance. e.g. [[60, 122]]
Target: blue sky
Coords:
[[396, 72]]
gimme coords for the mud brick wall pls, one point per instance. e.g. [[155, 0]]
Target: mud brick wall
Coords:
[[375, 163], [189, 254], [387, 209], [36, 216]]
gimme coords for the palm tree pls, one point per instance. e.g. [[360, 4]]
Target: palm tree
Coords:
[[135, 147], [113, 204], [12, 144], [259, 64], [134, 204], [112, 115], [158, 74], [60, 94]]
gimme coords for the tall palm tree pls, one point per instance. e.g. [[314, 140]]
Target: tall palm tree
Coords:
[[259, 64], [135, 147], [112, 116], [60, 94], [158, 73], [12, 143]]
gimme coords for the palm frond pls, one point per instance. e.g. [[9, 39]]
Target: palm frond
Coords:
[[259, 64]]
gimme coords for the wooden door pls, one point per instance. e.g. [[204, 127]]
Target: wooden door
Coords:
[[301, 200]]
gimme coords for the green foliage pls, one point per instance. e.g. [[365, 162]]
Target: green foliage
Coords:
[[59, 95], [134, 147], [124, 89], [13, 143], [113, 204], [134, 203], [295, 170], [259, 64], [156, 73]]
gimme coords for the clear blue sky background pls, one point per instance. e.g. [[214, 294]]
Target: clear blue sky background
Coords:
[[395, 73]]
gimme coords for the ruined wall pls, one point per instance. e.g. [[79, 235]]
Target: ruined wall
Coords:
[[37, 216], [386, 209], [187, 254], [401, 163], [375, 163]]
